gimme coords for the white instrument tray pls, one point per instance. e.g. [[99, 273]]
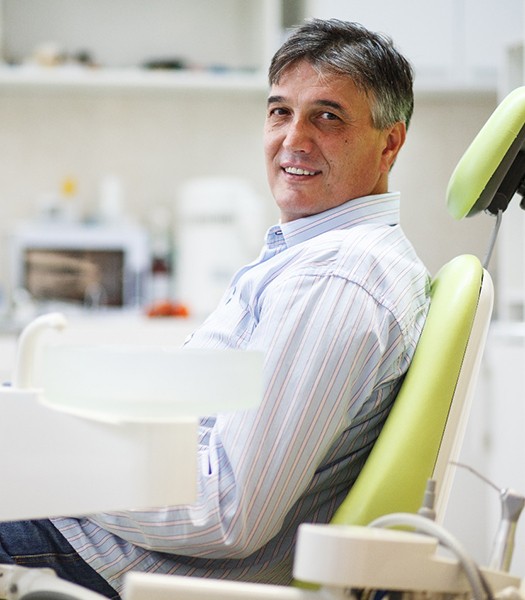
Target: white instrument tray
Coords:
[[114, 427]]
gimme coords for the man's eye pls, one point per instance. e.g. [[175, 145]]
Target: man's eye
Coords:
[[278, 112], [328, 116]]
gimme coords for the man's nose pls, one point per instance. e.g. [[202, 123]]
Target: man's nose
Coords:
[[298, 136]]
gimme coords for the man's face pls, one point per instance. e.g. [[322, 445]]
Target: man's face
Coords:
[[320, 145]]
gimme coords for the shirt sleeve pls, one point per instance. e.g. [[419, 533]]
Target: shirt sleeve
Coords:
[[328, 344]]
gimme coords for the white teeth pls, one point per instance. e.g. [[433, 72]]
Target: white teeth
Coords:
[[295, 171]]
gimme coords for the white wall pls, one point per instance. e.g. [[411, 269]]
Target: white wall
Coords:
[[441, 130], [153, 140]]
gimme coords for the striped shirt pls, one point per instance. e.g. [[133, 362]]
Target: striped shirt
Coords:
[[336, 301]]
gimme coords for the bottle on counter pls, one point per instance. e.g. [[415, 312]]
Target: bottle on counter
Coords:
[[161, 259], [69, 209]]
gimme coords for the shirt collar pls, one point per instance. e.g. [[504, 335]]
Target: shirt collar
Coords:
[[379, 208]]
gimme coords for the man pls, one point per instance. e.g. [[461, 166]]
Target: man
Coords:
[[336, 300]]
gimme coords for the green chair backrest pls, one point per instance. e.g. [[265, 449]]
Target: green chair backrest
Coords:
[[482, 179], [406, 452]]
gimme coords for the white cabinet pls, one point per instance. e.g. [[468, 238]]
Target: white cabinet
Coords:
[[220, 44], [505, 423], [453, 44], [125, 33], [489, 32]]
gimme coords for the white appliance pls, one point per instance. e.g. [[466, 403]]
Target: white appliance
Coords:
[[219, 229], [86, 265]]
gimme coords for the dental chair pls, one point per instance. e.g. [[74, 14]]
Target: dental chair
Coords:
[[410, 469], [421, 435]]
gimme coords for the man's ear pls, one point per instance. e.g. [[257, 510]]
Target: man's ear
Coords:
[[394, 139]]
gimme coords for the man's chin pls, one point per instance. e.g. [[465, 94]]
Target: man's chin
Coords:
[[291, 212]]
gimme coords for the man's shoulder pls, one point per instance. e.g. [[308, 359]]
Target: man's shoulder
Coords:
[[378, 258], [352, 249]]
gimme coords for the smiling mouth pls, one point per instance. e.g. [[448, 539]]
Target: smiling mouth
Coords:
[[297, 171]]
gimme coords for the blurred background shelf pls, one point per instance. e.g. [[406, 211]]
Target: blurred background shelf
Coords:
[[85, 79]]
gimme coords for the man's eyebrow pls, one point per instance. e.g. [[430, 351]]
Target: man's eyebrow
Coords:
[[330, 104], [274, 99], [336, 106]]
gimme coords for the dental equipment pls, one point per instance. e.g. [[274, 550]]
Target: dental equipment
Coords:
[[22, 583], [123, 445], [87, 399], [27, 347], [357, 563], [512, 504]]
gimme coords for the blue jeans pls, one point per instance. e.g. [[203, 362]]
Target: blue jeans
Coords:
[[40, 544]]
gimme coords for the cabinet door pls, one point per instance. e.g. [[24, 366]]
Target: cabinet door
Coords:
[[123, 33], [489, 31], [504, 363], [425, 32], [451, 43]]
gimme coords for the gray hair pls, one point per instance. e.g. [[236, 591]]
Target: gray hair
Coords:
[[368, 58]]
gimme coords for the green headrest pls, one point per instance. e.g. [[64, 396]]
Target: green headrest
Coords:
[[492, 169]]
